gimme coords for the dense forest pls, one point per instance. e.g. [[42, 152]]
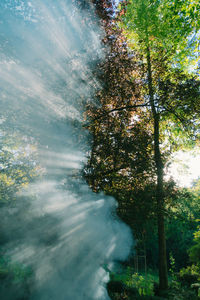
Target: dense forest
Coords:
[[146, 108], [150, 104]]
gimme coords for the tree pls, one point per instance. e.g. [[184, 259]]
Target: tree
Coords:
[[121, 150], [161, 31]]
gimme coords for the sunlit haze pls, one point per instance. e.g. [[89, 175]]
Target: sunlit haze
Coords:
[[185, 168], [66, 233]]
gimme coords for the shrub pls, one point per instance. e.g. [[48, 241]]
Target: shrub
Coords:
[[189, 275]]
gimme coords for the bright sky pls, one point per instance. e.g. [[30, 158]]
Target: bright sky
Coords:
[[185, 167]]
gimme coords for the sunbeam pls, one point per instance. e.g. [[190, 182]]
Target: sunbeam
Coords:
[[58, 227]]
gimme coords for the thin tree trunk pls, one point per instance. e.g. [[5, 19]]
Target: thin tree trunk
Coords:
[[163, 277]]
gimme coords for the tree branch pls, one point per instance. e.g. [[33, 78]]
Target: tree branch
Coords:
[[103, 115], [127, 107], [172, 111]]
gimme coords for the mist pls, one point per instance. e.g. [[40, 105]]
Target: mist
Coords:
[[67, 235]]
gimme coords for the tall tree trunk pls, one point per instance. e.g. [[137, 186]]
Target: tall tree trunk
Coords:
[[163, 277]]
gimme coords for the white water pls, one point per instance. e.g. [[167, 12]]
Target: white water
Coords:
[[48, 50]]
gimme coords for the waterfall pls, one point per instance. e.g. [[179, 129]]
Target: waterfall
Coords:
[[57, 226]]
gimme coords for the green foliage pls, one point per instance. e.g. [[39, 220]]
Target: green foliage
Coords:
[[194, 251], [189, 275], [170, 25], [18, 167], [172, 266], [18, 272], [143, 284], [146, 287], [15, 279], [161, 30], [182, 210]]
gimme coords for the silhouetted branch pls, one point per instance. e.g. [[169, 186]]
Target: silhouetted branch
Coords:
[[129, 107]]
